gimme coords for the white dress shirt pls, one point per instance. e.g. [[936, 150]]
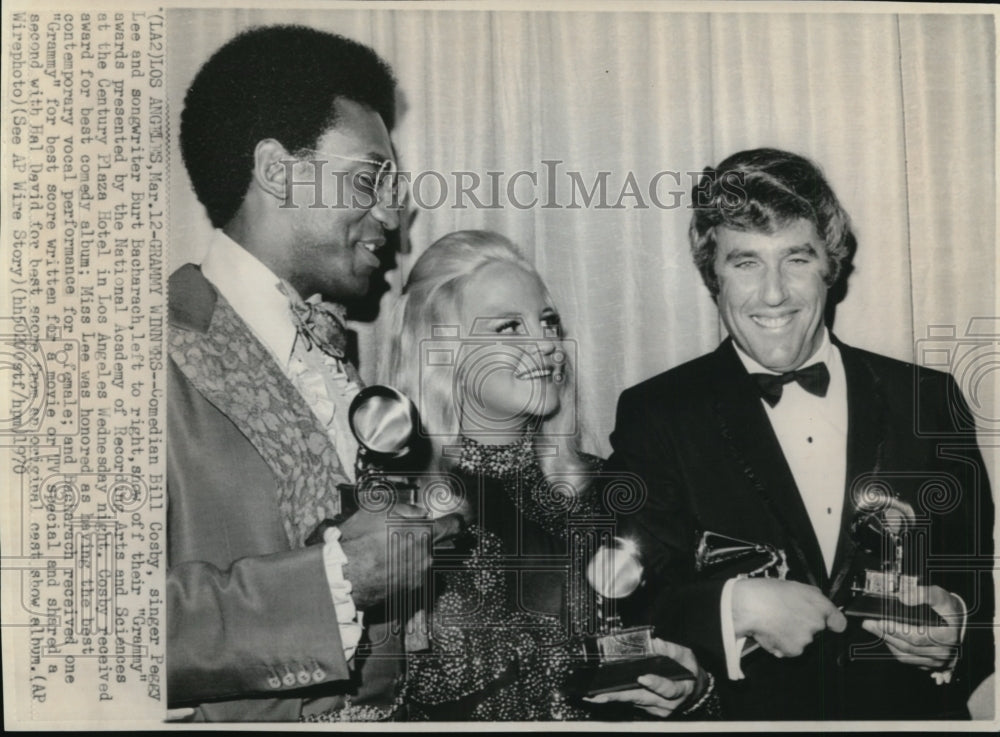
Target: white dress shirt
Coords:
[[812, 433], [253, 292]]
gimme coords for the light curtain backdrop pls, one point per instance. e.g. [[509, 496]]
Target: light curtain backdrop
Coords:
[[899, 110]]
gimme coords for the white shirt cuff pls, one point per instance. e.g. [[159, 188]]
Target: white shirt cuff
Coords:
[[732, 645], [348, 618], [942, 677]]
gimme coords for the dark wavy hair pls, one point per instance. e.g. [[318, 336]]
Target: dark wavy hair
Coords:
[[277, 82], [763, 190]]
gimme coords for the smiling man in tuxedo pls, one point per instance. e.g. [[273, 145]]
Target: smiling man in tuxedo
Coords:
[[778, 439]]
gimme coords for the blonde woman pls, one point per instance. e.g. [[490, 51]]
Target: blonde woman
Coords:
[[478, 344]]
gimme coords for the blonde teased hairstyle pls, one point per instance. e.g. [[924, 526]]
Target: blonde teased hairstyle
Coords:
[[434, 296]]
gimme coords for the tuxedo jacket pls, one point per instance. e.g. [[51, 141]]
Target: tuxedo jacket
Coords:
[[700, 439], [252, 630]]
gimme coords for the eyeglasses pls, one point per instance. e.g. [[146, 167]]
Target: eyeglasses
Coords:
[[385, 186]]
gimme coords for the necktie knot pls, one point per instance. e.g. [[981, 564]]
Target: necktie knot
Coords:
[[320, 324], [815, 379]]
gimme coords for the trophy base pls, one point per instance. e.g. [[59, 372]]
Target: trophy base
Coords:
[[591, 679], [870, 606]]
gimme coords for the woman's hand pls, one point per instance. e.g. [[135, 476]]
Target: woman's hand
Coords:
[[660, 696]]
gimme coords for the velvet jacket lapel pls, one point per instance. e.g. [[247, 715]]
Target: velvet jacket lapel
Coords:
[[233, 371], [750, 440]]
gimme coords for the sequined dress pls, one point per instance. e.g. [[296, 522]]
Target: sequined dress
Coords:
[[507, 617]]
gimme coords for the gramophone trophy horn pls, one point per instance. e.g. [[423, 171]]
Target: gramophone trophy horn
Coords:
[[881, 528]]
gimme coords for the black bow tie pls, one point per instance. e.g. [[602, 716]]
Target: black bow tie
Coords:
[[815, 379]]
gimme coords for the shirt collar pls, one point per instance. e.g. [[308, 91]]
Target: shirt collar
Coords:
[[252, 290], [823, 354]]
